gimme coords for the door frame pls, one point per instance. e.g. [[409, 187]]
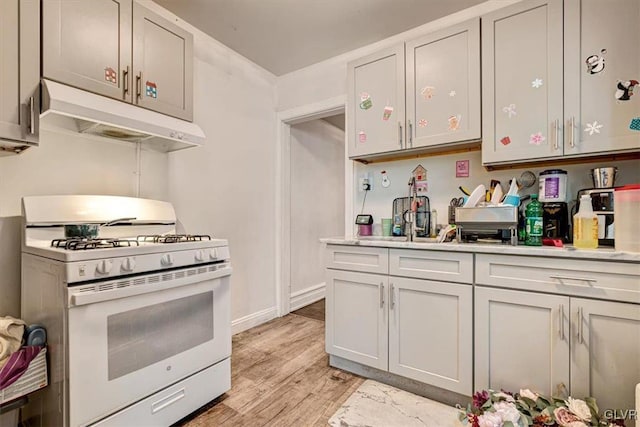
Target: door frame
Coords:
[[285, 119]]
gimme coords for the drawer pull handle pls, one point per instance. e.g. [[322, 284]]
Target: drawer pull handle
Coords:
[[393, 297], [561, 321], [167, 401], [381, 294], [400, 133], [583, 279]]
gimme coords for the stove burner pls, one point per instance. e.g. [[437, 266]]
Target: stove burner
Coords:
[[78, 244], [173, 238]]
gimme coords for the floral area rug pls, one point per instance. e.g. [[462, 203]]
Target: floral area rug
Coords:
[[379, 405]]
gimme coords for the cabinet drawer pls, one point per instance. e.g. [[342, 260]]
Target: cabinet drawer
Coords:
[[592, 279], [433, 265], [355, 258]]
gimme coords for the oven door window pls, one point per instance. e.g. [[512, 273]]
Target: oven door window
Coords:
[[144, 336]]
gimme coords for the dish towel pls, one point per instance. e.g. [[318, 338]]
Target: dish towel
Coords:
[[11, 331], [17, 365]]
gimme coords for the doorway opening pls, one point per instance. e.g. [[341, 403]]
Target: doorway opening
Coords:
[[313, 171]]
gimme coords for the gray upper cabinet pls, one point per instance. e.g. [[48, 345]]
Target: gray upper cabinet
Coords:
[[558, 79], [601, 62], [19, 74], [376, 103], [163, 62], [87, 44], [443, 86], [522, 82], [435, 77], [119, 49]]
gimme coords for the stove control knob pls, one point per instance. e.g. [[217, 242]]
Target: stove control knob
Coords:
[[104, 266], [166, 260], [200, 256], [213, 254], [128, 264]]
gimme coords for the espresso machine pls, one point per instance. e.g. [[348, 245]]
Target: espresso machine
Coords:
[[602, 202]]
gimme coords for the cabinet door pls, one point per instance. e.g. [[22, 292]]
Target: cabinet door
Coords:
[[522, 82], [87, 44], [605, 352], [163, 62], [521, 340], [375, 103], [19, 69], [443, 86], [356, 326], [600, 113], [430, 333]]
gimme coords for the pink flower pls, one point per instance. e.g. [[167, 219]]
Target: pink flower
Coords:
[[564, 417]]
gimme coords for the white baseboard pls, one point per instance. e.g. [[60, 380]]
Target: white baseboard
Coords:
[[307, 296], [254, 319]]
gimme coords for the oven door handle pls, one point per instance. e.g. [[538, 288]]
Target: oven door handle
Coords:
[[87, 296]]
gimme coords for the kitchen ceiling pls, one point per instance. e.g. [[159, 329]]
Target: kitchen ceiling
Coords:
[[285, 35]]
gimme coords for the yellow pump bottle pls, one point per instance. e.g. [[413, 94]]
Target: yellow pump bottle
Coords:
[[585, 225]]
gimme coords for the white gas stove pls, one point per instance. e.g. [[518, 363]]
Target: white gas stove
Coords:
[[138, 318]]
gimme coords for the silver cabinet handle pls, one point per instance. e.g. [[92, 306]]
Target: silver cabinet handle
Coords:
[[584, 279], [561, 321], [138, 86], [400, 133], [580, 325], [572, 134], [125, 82], [410, 134], [381, 294], [556, 131], [393, 297], [32, 116]]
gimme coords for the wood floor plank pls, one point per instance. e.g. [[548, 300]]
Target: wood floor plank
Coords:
[[280, 377]]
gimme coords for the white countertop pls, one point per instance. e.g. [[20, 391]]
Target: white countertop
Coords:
[[568, 251]]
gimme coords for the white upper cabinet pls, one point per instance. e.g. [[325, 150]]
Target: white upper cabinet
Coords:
[[558, 79], [119, 49], [162, 59], [601, 71], [19, 74], [376, 103], [443, 86], [87, 44], [522, 82], [437, 77]]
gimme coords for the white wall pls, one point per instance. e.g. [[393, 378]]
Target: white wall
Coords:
[[225, 188], [66, 164], [317, 204], [443, 184]]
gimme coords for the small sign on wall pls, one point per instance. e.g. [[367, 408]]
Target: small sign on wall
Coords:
[[462, 168]]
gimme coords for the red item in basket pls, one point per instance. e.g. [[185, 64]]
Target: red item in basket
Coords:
[[17, 365]]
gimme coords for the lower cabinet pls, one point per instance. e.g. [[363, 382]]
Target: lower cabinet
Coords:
[[419, 329], [356, 313], [430, 332], [545, 342]]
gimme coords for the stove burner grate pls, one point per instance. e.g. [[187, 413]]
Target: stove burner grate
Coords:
[[173, 238], [79, 244]]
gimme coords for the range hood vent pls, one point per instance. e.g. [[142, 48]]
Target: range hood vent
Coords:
[[68, 108]]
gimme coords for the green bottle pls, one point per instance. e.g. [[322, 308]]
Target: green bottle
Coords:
[[533, 222]]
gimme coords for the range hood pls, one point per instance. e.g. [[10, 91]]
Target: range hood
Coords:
[[68, 108]]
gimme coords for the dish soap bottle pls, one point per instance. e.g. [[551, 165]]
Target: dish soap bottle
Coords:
[[585, 225], [533, 222]]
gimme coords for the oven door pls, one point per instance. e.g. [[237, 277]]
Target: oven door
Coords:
[[130, 338]]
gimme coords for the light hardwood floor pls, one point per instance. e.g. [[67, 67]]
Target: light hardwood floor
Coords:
[[280, 376]]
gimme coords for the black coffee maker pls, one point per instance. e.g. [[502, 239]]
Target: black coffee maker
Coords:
[[555, 220]]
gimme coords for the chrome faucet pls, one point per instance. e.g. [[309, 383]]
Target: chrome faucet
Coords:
[[413, 211]]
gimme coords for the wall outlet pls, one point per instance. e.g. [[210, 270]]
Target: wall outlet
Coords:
[[365, 183]]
